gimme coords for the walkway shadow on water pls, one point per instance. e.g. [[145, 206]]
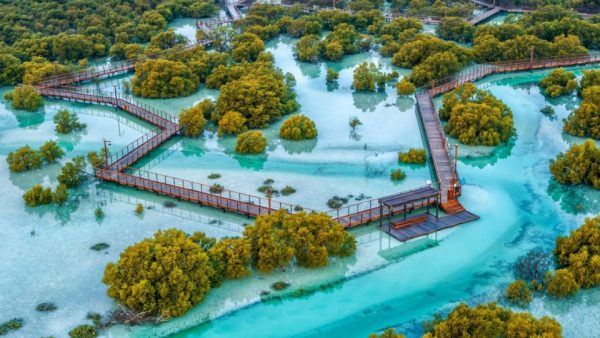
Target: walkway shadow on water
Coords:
[[185, 210]]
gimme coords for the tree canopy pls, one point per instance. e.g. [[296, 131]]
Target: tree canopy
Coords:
[[476, 117], [193, 120], [24, 97], [559, 82], [165, 275], [163, 79], [579, 165], [298, 127], [250, 142], [579, 253], [585, 120], [310, 239], [491, 320]]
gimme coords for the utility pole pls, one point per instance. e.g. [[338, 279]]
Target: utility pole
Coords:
[[269, 200], [106, 144], [531, 57]]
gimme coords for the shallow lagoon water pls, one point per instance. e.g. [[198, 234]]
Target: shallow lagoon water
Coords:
[[509, 187], [520, 209]]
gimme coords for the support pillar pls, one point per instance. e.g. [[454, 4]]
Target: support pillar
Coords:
[[380, 215], [389, 219], [531, 58]]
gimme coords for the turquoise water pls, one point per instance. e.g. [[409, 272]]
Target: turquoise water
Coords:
[[520, 208], [47, 256]]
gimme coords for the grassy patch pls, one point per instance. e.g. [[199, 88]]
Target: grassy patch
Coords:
[[45, 307], [100, 246], [11, 325], [278, 286]]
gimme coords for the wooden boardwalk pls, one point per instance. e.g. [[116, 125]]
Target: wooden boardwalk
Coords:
[[484, 16], [117, 166], [180, 189], [100, 72], [447, 177], [431, 225], [438, 148]]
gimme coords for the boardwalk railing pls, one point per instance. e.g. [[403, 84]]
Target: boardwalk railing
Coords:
[[484, 16], [106, 70], [124, 102], [197, 192], [139, 148], [88, 74]]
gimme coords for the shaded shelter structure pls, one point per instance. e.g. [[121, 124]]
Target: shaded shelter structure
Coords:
[[407, 226], [405, 203]]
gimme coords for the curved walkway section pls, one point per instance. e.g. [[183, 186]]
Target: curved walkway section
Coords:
[[115, 168]]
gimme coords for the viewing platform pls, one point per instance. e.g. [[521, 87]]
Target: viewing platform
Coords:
[[405, 215]]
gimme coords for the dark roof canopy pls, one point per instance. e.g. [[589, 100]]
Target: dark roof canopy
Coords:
[[408, 196]]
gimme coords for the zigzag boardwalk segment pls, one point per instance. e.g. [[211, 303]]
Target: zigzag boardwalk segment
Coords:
[[493, 10], [116, 167]]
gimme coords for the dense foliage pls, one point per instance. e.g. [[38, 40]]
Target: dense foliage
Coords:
[[388, 333], [250, 142], [490, 320], [193, 120], [257, 90], [579, 165], [310, 239], [455, 28], [413, 155], [11, 325], [518, 293], [476, 117], [579, 253], [368, 77], [561, 283], [430, 57], [435, 8], [585, 5], [298, 127], [51, 152], [559, 82], [84, 331], [229, 258], [37, 195], [66, 122], [397, 175], [165, 275], [246, 47], [24, 97], [232, 123], [25, 158], [332, 75], [585, 120], [551, 31], [405, 87], [72, 174], [70, 31], [590, 78], [163, 79]]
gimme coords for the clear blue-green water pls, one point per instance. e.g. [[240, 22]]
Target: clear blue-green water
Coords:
[[47, 255]]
